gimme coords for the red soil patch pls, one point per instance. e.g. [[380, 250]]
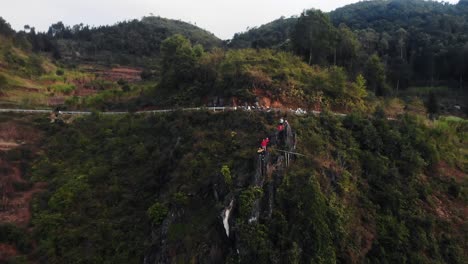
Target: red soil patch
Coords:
[[455, 211], [56, 100], [15, 202], [115, 74], [84, 92], [264, 99], [14, 205], [447, 171], [14, 132], [15, 208], [27, 89], [7, 251]]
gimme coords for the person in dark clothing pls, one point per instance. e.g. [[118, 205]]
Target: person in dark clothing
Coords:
[[280, 132]]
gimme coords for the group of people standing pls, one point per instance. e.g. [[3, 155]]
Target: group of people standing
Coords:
[[282, 125]]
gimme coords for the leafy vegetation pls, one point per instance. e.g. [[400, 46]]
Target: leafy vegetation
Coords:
[[122, 176], [368, 191], [11, 234], [247, 75], [423, 42], [63, 88]]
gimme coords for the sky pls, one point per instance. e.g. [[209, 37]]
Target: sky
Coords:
[[221, 17]]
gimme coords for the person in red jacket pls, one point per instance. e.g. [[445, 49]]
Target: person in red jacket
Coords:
[[265, 142]]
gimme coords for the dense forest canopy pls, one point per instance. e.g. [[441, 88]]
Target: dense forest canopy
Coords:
[[420, 43], [153, 188]]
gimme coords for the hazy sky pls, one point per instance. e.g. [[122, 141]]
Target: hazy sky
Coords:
[[222, 17]]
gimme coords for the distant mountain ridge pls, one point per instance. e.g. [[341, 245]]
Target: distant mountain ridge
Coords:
[[359, 15], [126, 42]]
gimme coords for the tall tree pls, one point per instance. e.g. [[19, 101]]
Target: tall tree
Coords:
[[432, 105], [178, 61], [314, 37], [348, 47], [5, 28], [375, 75]]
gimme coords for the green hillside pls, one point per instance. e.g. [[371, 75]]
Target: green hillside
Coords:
[[155, 189], [135, 42]]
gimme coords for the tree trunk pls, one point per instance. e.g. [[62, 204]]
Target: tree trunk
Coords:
[[398, 86], [461, 81], [310, 57], [334, 57]]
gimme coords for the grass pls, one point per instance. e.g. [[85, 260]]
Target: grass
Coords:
[[63, 88]]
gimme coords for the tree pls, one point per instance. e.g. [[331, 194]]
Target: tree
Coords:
[[178, 61], [5, 28], [375, 75], [401, 68], [401, 36], [314, 37], [432, 105], [348, 47], [358, 90], [399, 73], [59, 30]]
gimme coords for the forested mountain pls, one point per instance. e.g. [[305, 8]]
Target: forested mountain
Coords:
[[419, 43], [125, 42], [135, 42]]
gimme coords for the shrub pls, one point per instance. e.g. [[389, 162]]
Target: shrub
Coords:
[[226, 172], [63, 88], [146, 74], [60, 72], [3, 80], [157, 212], [247, 199], [454, 189], [14, 235]]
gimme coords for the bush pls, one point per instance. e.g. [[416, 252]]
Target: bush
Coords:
[[122, 82], [157, 212], [454, 189], [60, 72], [3, 80], [146, 74], [63, 88], [13, 235], [226, 172]]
